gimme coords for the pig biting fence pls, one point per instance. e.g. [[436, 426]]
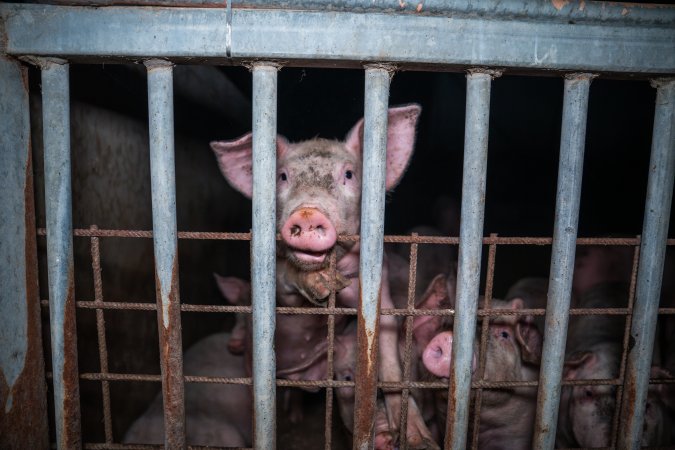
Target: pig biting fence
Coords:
[[577, 40]]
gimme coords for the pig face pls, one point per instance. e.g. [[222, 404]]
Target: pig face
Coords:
[[319, 184]]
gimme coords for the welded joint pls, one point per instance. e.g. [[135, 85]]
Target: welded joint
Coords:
[[152, 64], [389, 68], [269, 64], [493, 73], [42, 62], [580, 76], [658, 83]]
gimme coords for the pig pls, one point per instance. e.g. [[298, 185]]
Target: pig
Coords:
[[600, 264], [215, 414], [534, 292], [318, 199], [513, 353], [594, 349]]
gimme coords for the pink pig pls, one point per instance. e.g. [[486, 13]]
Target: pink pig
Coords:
[[319, 199]]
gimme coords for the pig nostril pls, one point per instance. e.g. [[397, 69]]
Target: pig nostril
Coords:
[[295, 230]]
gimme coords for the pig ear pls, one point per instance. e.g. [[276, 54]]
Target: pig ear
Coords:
[[665, 392], [235, 159], [426, 327], [575, 362], [235, 290], [530, 341], [400, 140]]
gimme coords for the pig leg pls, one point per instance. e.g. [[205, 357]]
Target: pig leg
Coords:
[[418, 435]]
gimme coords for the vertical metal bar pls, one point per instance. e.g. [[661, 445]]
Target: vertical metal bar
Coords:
[[163, 186], [650, 271], [470, 244], [372, 247], [263, 253], [330, 367], [23, 402], [570, 170], [56, 131], [100, 329]]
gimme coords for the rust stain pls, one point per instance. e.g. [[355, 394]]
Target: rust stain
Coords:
[[71, 437], [419, 7], [624, 12], [559, 4], [171, 360], [27, 417], [366, 381], [582, 5]]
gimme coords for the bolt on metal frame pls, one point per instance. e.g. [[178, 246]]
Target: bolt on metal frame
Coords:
[[627, 39]]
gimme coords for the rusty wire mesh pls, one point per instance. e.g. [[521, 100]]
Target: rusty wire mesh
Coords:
[[404, 386]]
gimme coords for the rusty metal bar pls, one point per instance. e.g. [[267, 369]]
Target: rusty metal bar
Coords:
[[372, 250], [24, 397], [330, 353], [650, 271], [570, 171], [100, 330], [56, 130], [263, 253], [471, 239], [165, 243]]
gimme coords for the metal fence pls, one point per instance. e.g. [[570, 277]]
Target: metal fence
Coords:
[[578, 40]]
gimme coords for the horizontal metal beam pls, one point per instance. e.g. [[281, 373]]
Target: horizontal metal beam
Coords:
[[346, 39]]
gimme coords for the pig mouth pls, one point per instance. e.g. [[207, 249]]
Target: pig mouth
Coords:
[[307, 260]]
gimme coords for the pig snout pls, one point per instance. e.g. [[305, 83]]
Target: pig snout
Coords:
[[438, 354], [309, 233]]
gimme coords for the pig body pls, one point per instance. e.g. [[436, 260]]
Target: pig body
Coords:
[[215, 414], [319, 199]]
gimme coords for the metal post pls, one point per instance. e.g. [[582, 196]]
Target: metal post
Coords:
[[23, 403], [650, 272], [263, 253], [56, 131], [163, 186], [372, 250], [470, 245], [570, 171]]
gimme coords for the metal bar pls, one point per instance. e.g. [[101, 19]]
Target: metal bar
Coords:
[[470, 242], [56, 130], [165, 243], [24, 397], [570, 171], [263, 253], [330, 367], [346, 39], [508, 9], [100, 331], [372, 251], [650, 271]]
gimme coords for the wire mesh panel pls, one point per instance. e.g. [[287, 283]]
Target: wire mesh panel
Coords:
[[378, 397]]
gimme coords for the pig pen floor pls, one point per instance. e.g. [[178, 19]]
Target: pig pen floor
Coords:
[[309, 433]]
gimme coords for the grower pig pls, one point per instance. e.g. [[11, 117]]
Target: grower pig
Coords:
[[237, 292], [318, 199], [215, 414], [534, 292], [512, 354]]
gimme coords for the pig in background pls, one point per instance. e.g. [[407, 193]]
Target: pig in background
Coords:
[[513, 352], [318, 199]]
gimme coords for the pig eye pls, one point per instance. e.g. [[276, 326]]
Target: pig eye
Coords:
[[282, 176], [588, 393], [505, 334], [349, 174]]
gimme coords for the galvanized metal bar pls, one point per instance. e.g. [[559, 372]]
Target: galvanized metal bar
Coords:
[[23, 400], [263, 253], [570, 171], [58, 208], [469, 261], [163, 187], [525, 41], [372, 251], [650, 271]]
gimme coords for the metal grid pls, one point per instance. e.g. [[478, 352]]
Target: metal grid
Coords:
[[641, 44], [493, 241]]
